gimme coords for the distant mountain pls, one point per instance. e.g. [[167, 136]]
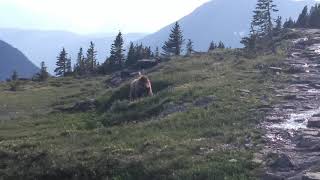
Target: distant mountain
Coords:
[[226, 20], [45, 45], [11, 59]]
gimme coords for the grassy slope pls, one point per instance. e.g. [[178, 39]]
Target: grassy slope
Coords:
[[126, 140]]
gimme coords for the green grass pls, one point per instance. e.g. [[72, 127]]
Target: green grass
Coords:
[[135, 140]]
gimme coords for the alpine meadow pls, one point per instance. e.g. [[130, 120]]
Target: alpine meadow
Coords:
[[224, 90]]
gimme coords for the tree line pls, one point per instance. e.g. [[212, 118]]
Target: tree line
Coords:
[[307, 18], [87, 64]]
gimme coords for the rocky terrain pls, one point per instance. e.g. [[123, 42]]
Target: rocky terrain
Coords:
[[293, 124]]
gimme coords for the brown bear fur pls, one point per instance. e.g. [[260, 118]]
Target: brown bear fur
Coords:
[[140, 87]]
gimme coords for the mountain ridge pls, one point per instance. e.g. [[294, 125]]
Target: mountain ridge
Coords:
[[12, 59]]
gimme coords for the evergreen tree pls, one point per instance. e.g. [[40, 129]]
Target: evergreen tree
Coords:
[[131, 58], [314, 20], [14, 75], [303, 18], [289, 23], [61, 63], [68, 66], [80, 67], [250, 42], [278, 24], [174, 44], [157, 53], [221, 45], [262, 18], [212, 46], [189, 47], [43, 74], [91, 59], [116, 53]]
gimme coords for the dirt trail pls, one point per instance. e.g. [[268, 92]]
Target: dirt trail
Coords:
[[293, 125]]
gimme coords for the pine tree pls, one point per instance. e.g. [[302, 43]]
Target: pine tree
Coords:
[[303, 18], [157, 53], [68, 66], [91, 59], [80, 67], [174, 44], [262, 18], [131, 59], [43, 74], [116, 58], [212, 46], [14, 75], [289, 23], [250, 42], [278, 24], [189, 47], [61, 63], [221, 45], [314, 20]]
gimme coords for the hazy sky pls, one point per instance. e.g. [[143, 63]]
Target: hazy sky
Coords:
[[92, 16]]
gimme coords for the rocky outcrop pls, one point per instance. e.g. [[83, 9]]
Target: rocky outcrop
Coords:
[[293, 125]]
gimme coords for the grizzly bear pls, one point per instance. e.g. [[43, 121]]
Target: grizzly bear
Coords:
[[140, 87]]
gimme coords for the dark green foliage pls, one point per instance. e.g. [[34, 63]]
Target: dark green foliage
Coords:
[[14, 75], [314, 19], [212, 46], [221, 45], [174, 44], [43, 74], [80, 67], [303, 18], [157, 53], [289, 23], [131, 57], [189, 47], [278, 24], [250, 42], [63, 64], [116, 59], [262, 18], [91, 59]]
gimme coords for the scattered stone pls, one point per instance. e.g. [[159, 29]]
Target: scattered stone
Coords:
[[281, 162], [311, 176]]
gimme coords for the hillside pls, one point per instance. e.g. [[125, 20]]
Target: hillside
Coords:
[[225, 20], [12, 59], [45, 45], [200, 123]]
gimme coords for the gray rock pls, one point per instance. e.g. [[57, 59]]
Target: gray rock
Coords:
[[281, 162]]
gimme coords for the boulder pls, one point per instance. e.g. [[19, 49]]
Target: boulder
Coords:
[[281, 162]]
